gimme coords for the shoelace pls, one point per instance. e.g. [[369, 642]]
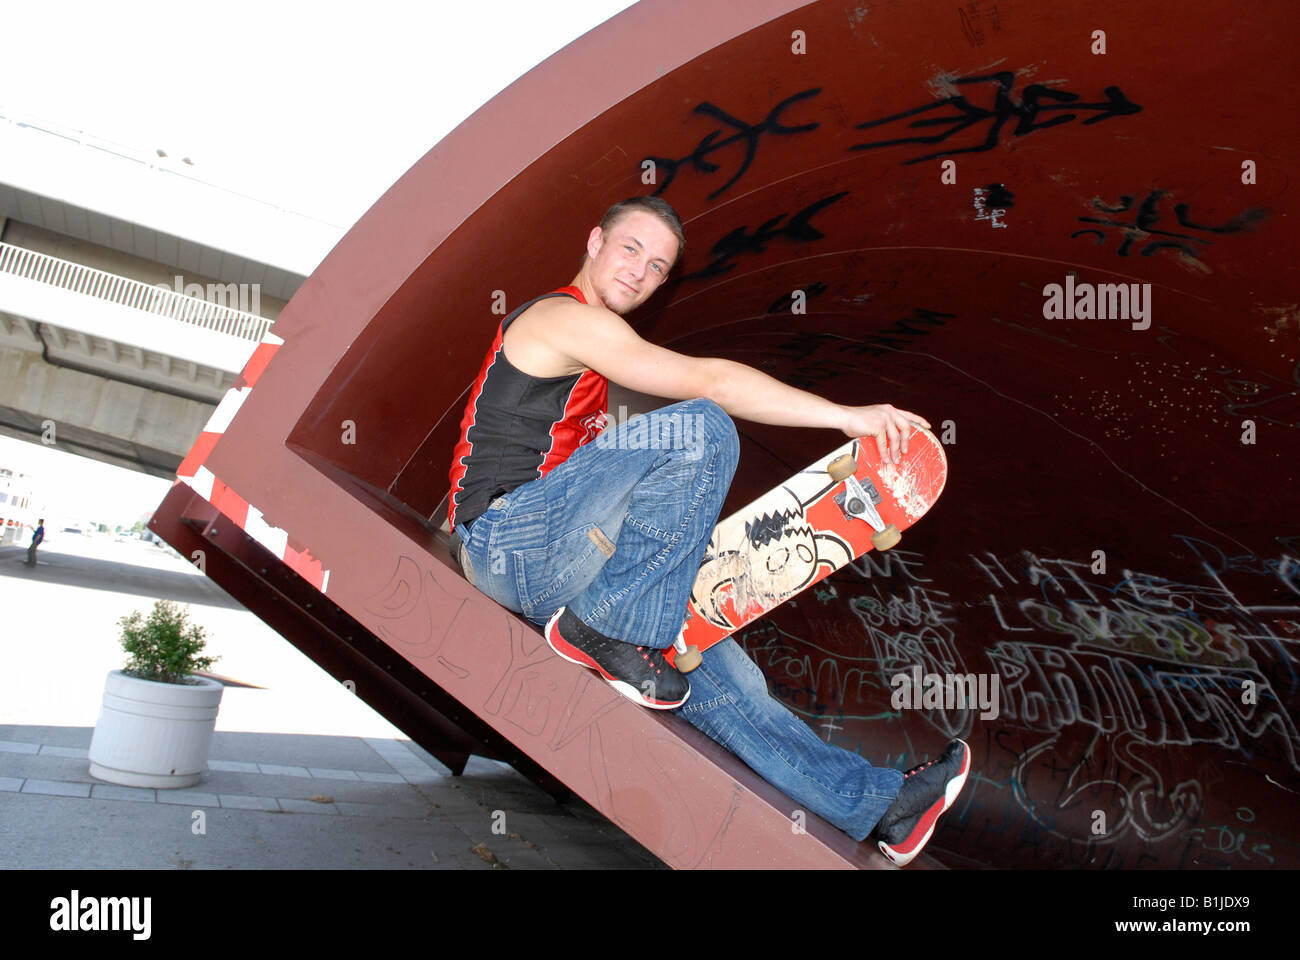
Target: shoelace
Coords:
[[918, 769], [646, 658]]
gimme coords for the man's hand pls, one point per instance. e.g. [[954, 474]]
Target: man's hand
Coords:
[[889, 425]]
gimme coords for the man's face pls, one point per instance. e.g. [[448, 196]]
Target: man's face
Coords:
[[629, 261]]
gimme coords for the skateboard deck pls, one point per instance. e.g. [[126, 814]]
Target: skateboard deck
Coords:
[[804, 530]]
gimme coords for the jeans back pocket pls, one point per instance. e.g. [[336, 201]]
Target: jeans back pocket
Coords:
[[550, 576]]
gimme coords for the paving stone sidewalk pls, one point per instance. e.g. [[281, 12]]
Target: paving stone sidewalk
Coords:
[[289, 801]]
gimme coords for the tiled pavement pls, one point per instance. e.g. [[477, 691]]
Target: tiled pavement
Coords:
[[292, 801]]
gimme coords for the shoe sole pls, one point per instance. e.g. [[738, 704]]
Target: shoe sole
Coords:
[[907, 852], [567, 651]]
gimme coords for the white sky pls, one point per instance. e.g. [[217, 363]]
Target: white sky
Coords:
[[315, 106], [318, 107]]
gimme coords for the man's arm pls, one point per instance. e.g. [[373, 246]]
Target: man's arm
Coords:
[[602, 340]]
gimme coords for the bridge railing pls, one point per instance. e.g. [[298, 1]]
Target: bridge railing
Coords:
[[209, 315]]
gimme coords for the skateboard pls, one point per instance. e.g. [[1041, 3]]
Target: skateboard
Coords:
[[820, 520]]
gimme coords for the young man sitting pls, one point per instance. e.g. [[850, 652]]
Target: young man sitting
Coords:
[[601, 541]]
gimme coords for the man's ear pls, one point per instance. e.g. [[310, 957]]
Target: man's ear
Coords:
[[594, 241]]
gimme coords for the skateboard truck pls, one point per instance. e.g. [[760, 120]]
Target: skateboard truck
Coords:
[[860, 503]]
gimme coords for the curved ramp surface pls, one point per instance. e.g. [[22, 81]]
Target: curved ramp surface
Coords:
[[1057, 231]]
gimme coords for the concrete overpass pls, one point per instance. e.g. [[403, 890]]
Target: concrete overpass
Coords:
[[131, 293]]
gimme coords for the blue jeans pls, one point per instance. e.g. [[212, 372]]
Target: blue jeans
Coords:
[[616, 533]]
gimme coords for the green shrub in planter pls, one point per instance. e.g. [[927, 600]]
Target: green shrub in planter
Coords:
[[156, 725], [165, 647]]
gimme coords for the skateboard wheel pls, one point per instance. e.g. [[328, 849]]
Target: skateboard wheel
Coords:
[[842, 467], [688, 661], [884, 539]]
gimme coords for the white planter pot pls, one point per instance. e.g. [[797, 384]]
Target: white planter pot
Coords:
[[152, 734]]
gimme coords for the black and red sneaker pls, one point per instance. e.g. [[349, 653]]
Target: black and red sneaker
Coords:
[[927, 791], [639, 673]]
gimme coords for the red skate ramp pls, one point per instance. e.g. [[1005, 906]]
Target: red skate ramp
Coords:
[[880, 201]]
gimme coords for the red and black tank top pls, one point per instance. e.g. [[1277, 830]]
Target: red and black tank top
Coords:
[[517, 427]]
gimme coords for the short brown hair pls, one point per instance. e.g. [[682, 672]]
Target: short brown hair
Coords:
[[660, 208]]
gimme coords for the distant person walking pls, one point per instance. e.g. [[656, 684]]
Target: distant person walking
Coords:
[[37, 539]]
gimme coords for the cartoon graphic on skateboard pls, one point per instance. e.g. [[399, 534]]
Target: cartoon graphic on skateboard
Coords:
[[818, 521]]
